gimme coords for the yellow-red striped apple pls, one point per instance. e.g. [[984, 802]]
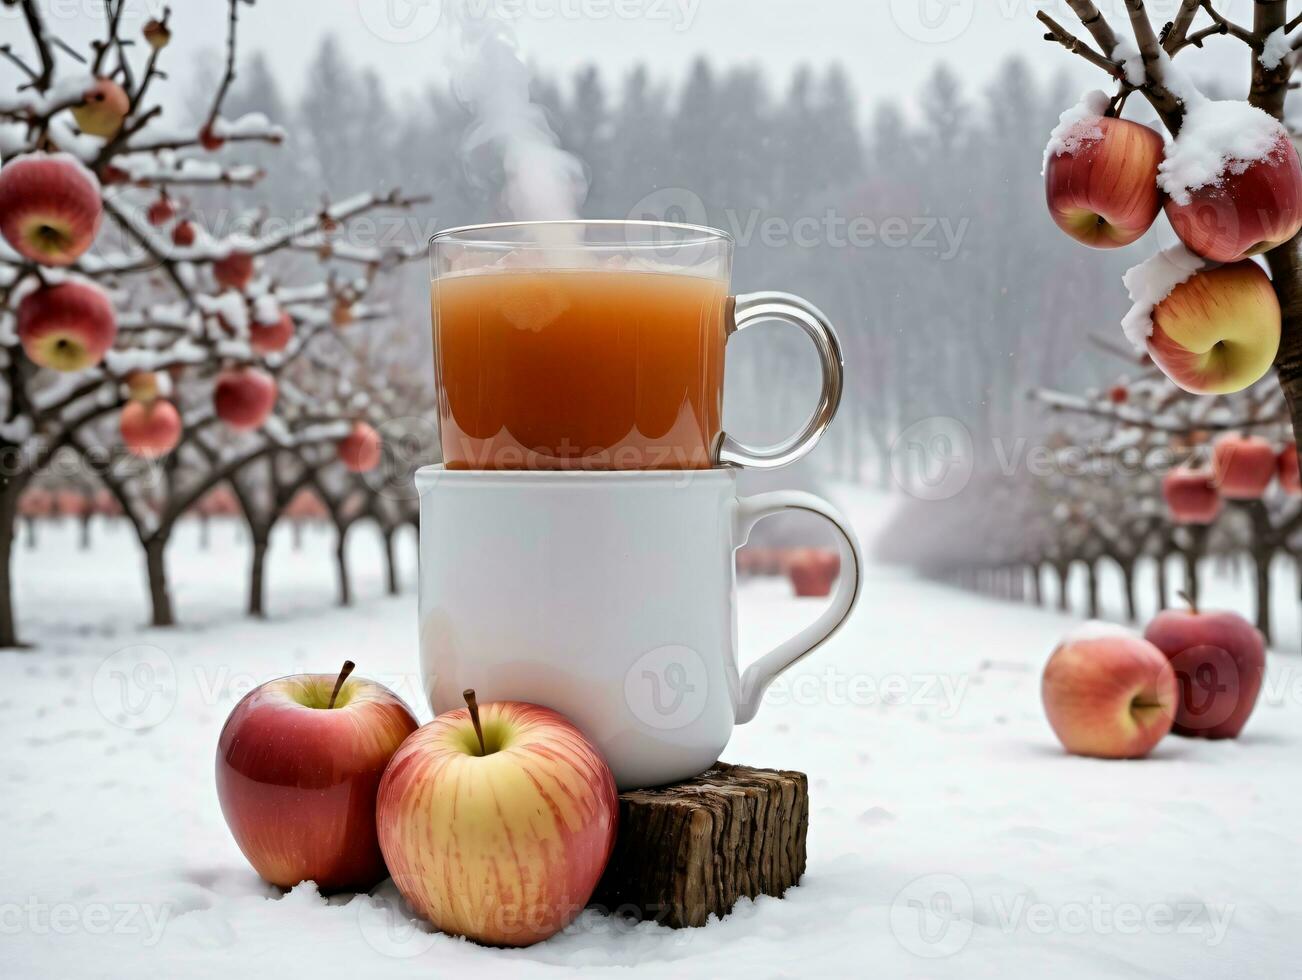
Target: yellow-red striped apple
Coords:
[[1108, 693], [496, 823], [1103, 192], [1218, 331], [68, 327], [104, 105], [50, 207]]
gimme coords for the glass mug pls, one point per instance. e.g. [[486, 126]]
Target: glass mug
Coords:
[[600, 345]]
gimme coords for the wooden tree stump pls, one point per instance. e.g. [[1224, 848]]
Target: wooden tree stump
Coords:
[[691, 849]]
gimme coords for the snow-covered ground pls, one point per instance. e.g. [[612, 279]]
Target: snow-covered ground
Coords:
[[949, 834]]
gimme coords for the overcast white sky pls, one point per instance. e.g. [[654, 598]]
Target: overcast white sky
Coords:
[[888, 46]]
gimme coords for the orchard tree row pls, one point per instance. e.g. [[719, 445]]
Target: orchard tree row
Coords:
[[172, 353]]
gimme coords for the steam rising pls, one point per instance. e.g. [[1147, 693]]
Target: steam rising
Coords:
[[542, 181]]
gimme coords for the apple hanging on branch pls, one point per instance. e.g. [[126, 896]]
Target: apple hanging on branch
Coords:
[[1100, 175]]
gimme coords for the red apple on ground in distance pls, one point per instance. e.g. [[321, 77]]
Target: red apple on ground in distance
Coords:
[[299, 763], [1290, 479], [359, 451], [1191, 495], [1108, 693], [1104, 191], [497, 822], [104, 106], [50, 207], [1219, 659], [813, 571], [1243, 214], [67, 327], [244, 397], [1244, 466], [1218, 331], [150, 428], [234, 270], [268, 338]]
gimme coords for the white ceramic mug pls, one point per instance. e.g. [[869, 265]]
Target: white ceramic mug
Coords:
[[608, 596]]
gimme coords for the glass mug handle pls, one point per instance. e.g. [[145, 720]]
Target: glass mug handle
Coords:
[[749, 512], [748, 308]]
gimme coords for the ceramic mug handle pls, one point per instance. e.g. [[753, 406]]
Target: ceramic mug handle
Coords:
[[748, 308], [750, 511]]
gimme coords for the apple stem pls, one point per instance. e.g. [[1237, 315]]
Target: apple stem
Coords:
[[343, 676], [1188, 601], [469, 695]]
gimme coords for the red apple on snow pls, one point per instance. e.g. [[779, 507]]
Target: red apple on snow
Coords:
[[1244, 466], [234, 270], [150, 428], [244, 397], [1108, 693], [359, 451], [50, 207], [104, 105], [267, 338], [1219, 659], [1290, 479], [299, 763], [497, 822], [1218, 331], [1246, 213], [1104, 192], [67, 327], [1191, 495], [813, 570]]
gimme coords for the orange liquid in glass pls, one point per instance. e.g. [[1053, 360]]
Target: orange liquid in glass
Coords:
[[596, 369]]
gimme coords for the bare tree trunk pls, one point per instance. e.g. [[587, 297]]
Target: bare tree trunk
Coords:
[[296, 526], [1063, 572], [341, 565], [1128, 582], [1092, 580], [1261, 560], [1192, 555], [1163, 583], [160, 598], [1037, 586], [9, 494], [205, 529], [390, 561], [31, 532], [261, 539]]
